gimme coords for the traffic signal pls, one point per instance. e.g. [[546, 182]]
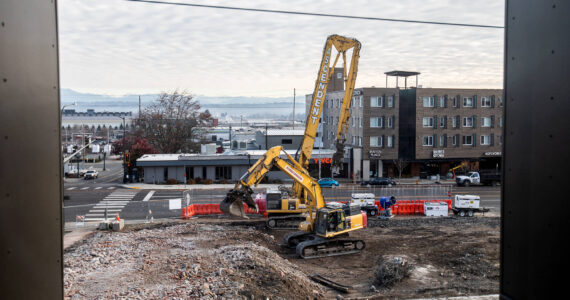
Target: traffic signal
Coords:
[[128, 159]]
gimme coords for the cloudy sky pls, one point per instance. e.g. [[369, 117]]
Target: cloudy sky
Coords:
[[119, 47]]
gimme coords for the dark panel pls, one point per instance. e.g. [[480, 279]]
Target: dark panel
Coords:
[[407, 125], [537, 150], [30, 156]]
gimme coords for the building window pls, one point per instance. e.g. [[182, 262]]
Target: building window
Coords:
[[500, 139], [391, 122], [352, 103], [443, 122], [360, 101], [224, 172], [501, 101], [339, 75], [485, 140], [337, 103], [485, 102], [454, 122], [467, 121], [360, 122], [455, 100], [376, 122], [352, 121], [390, 142], [376, 141], [467, 140], [442, 141], [454, 140], [428, 122], [391, 101], [354, 141], [442, 101], [485, 122], [360, 141], [500, 121], [428, 140], [287, 141], [429, 102], [467, 102], [376, 101]]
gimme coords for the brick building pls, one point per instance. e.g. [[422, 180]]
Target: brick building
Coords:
[[424, 129]]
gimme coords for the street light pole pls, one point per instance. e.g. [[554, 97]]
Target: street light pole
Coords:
[[61, 115]]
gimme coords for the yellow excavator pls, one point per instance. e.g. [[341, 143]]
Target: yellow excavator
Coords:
[[325, 229], [285, 208]]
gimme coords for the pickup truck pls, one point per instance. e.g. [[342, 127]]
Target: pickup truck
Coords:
[[483, 178]]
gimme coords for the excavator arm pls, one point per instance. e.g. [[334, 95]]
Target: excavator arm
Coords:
[[242, 191], [342, 45]]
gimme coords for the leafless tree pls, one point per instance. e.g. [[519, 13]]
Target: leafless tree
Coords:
[[400, 165], [173, 123]]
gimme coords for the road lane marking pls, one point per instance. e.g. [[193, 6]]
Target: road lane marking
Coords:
[[147, 197], [71, 188], [111, 188], [84, 188], [97, 188]]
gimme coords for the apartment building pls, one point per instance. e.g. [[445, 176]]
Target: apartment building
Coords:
[[450, 126], [426, 129]]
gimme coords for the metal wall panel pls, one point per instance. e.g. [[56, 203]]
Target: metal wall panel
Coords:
[[534, 251], [30, 157]]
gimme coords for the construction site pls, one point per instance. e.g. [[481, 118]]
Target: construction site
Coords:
[[406, 257]]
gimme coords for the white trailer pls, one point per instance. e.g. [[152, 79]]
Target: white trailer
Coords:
[[467, 205], [366, 202]]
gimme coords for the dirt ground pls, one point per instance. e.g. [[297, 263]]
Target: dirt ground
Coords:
[[221, 258]]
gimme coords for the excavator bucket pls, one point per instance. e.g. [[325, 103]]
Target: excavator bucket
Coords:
[[234, 200]]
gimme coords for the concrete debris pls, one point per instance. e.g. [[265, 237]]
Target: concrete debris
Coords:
[[161, 263]]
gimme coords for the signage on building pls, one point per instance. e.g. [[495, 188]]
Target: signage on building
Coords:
[[375, 153], [438, 153], [496, 153], [357, 93]]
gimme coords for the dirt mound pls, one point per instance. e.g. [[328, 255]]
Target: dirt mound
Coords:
[[183, 261]]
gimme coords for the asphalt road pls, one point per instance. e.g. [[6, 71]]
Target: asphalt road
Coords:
[[91, 198]]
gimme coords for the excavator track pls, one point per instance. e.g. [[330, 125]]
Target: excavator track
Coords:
[[321, 247], [285, 222]]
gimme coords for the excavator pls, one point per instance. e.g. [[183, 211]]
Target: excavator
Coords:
[[285, 208], [326, 226]]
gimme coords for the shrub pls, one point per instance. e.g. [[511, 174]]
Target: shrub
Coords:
[[171, 181], [224, 181], [198, 180], [207, 181], [190, 181]]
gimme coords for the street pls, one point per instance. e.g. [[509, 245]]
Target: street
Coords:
[[93, 199]]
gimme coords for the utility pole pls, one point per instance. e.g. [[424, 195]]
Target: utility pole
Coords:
[[294, 97], [266, 134], [139, 106]]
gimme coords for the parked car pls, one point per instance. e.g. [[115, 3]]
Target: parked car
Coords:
[[327, 182], [91, 174], [379, 181]]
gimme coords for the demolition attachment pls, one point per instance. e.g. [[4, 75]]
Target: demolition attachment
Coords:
[[233, 203]]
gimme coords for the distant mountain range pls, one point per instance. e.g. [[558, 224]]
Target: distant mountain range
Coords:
[[275, 107]]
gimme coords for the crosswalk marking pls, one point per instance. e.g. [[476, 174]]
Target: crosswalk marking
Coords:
[[112, 203], [97, 188], [84, 188], [71, 188], [111, 188]]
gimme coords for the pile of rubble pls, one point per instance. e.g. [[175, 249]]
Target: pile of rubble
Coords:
[[183, 261]]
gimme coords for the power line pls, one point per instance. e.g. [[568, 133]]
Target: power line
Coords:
[[318, 14]]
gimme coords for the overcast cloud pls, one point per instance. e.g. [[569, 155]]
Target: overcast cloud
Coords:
[[118, 47]]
